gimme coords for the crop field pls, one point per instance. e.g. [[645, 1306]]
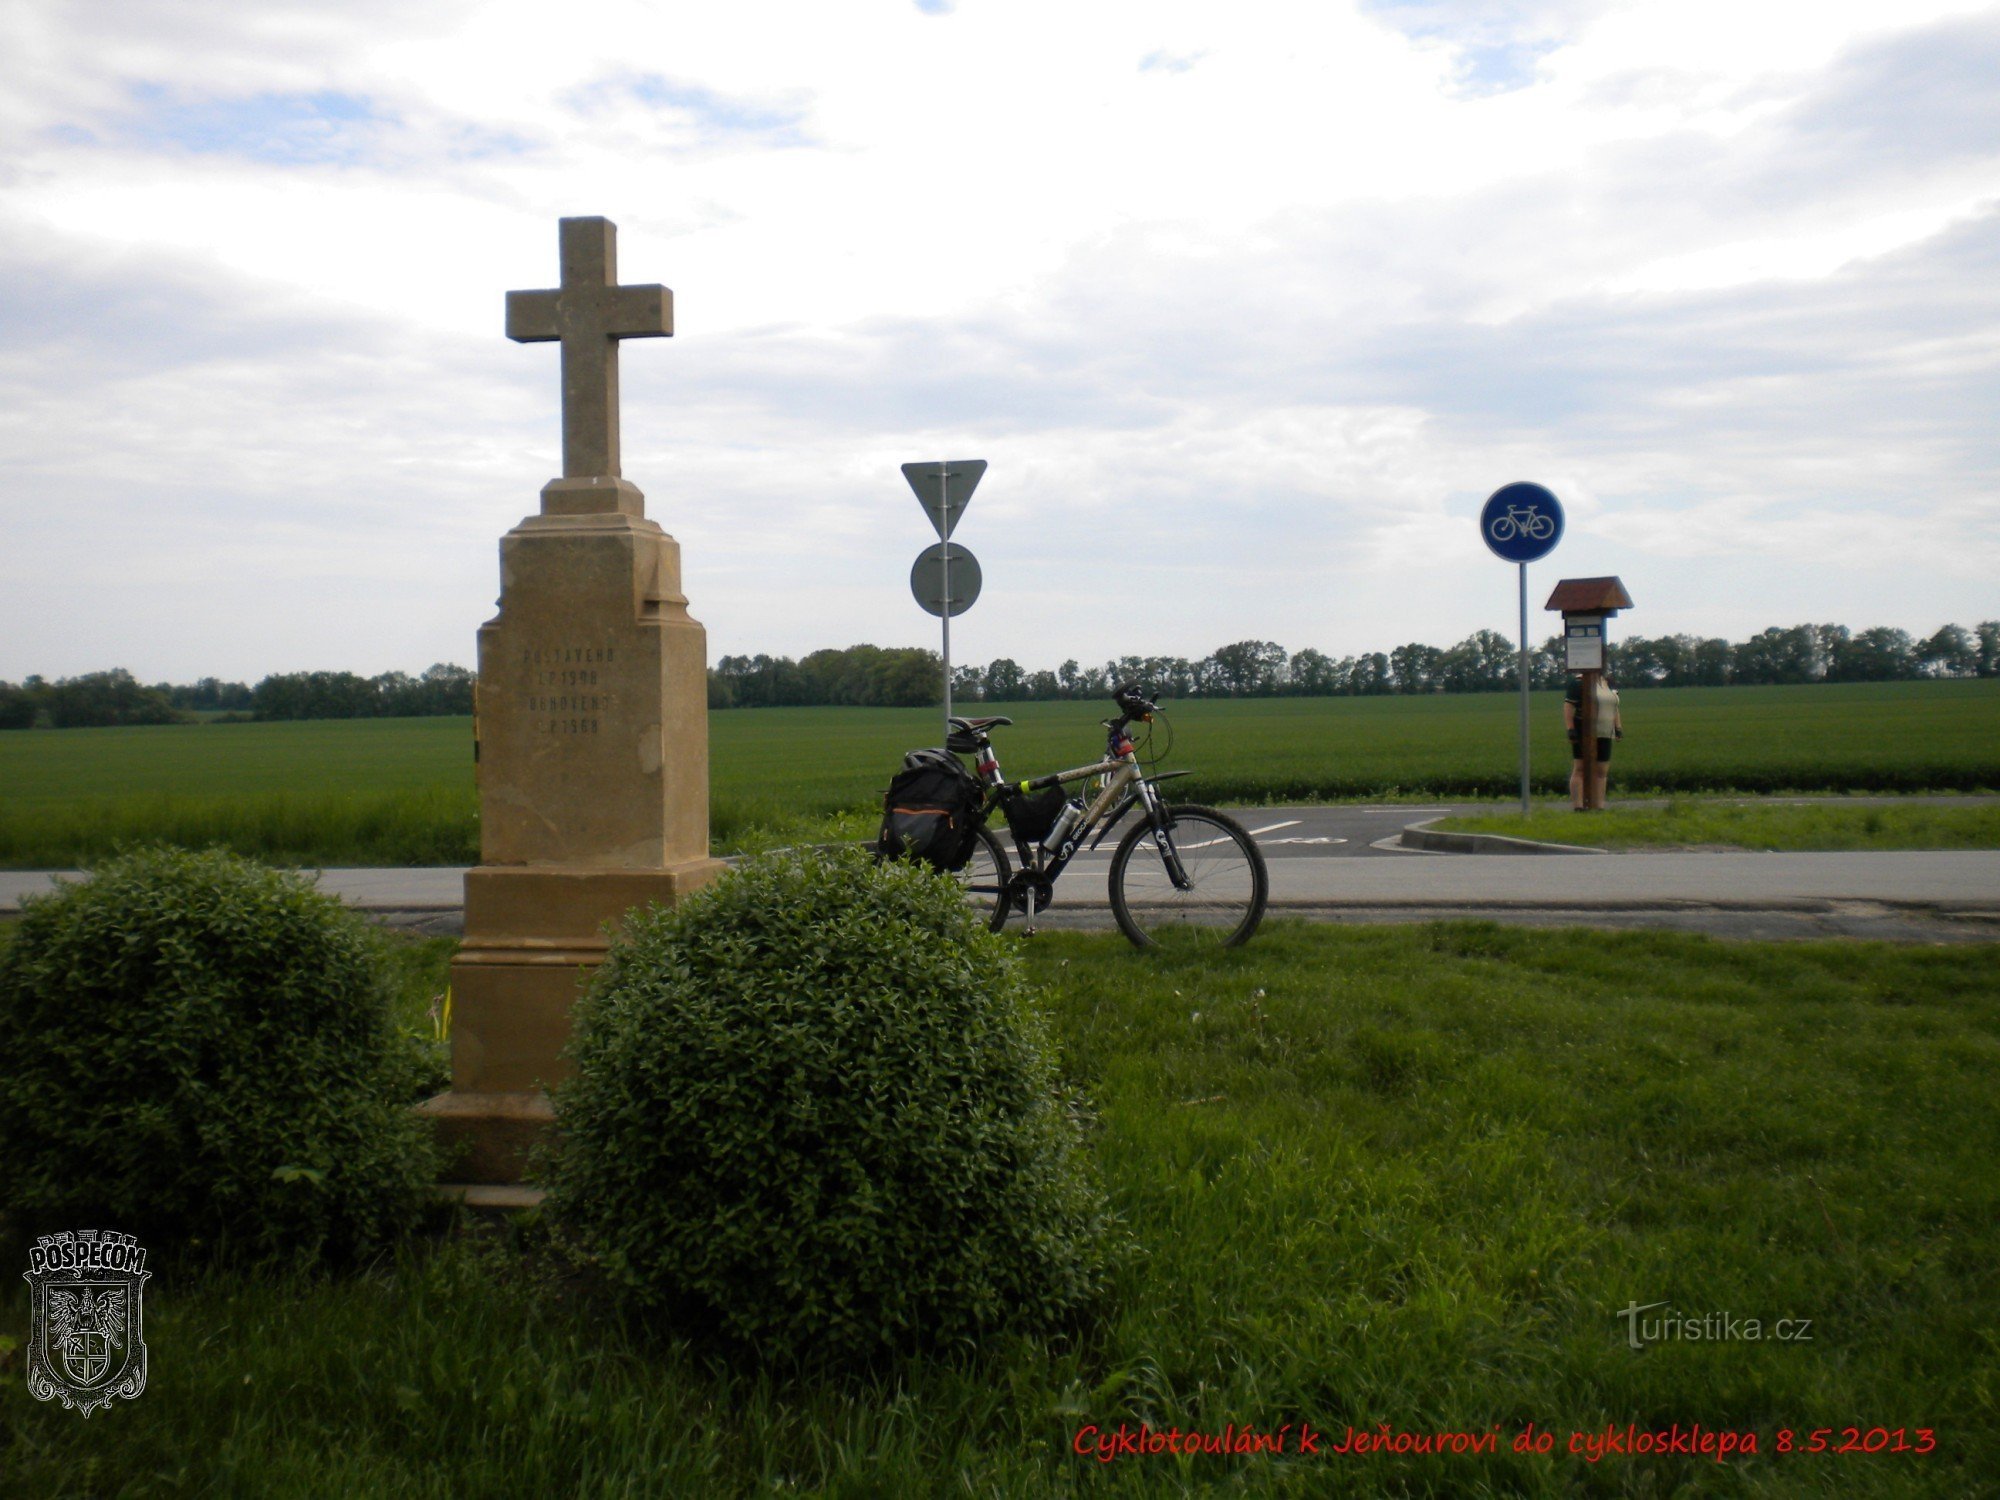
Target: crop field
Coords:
[[401, 791]]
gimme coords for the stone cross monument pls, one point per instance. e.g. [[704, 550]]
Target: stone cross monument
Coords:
[[592, 732]]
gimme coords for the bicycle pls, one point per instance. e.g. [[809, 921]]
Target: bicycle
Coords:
[[1185, 873], [1523, 520]]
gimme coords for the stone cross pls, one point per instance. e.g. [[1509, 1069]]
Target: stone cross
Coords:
[[589, 313]]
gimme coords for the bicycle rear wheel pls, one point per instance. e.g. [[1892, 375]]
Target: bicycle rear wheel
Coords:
[[984, 880], [1228, 885]]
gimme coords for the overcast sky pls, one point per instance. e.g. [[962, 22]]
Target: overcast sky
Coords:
[[1249, 308]]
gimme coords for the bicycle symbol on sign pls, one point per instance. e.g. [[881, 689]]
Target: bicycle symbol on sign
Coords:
[[1523, 520]]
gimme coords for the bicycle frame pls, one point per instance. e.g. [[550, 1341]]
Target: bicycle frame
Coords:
[[1124, 785]]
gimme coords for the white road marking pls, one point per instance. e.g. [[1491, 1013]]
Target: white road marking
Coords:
[[1274, 827], [1309, 841]]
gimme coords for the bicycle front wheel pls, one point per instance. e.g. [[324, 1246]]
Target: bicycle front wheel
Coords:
[[1227, 883], [984, 880]]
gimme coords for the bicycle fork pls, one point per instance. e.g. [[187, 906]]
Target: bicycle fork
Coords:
[[1163, 838]]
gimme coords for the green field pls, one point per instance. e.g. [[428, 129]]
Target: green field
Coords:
[[1396, 1176], [400, 791], [1717, 823]]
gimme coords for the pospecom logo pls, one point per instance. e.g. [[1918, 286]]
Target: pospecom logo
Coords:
[[87, 1344]]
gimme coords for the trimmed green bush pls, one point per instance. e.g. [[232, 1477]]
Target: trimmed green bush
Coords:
[[200, 1051], [814, 1112]]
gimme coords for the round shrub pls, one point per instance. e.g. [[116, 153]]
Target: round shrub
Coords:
[[814, 1112], [200, 1050]]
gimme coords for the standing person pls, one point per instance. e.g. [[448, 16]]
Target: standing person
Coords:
[[1610, 726]]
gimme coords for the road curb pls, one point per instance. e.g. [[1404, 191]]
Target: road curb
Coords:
[[1423, 836]]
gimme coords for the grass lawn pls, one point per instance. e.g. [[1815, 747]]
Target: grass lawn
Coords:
[[1685, 822], [1401, 1177], [401, 791]]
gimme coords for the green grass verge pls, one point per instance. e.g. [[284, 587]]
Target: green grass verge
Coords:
[[1402, 1176], [1707, 823], [400, 791]]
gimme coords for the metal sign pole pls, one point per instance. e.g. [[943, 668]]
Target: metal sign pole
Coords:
[[1524, 689], [1519, 523], [947, 640], [944, 490]]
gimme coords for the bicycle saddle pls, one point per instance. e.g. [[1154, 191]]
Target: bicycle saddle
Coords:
[[971, 724]]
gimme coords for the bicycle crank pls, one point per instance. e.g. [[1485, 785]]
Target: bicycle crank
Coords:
[[1031, 893]]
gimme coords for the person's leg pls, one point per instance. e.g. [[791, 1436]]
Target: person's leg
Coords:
[[1576, 786], [1603, 781]]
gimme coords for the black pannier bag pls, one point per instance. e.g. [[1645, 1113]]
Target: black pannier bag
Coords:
[[928, 811], [1030, 815]]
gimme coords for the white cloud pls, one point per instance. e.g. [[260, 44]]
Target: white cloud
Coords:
[[1248, 310]]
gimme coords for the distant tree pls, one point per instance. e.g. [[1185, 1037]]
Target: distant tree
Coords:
[[446, 688], [315, 695], [395, 695], [1776, 655], [17, 707], [1004, 679], [1483, 662], [1878, 655], [1249, 669], [1124, 669], [968, 684], [1415, 667], [1644, 663], [905, 677], [833, 676], [1714, 663], [105, 698], [1313, 674], [1171, 676], [1987, 633], [1548, 666], [764, 681], [211, 695], [1829, 641], [1951, 652], [1371, 674]]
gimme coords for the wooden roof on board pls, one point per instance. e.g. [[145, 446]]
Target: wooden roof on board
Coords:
[[1584, 596]]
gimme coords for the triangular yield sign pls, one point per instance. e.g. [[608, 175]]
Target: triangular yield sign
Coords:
[[944, 489]]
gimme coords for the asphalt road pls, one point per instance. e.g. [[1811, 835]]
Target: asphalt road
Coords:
[[1344, 864]]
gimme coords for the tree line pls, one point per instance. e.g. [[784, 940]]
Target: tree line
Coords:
[[907, 676], [1484, 662], [99, 699]]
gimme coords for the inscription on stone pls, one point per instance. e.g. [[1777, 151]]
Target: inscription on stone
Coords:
[[566, 712]]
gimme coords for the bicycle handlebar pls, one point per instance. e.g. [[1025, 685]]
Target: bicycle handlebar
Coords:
[[1132, 703]]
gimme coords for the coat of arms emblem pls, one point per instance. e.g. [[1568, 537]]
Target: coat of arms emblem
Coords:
[[87, 1345]]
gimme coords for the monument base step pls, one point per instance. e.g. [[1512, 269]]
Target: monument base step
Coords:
[[492, 1198], [487, 1137]]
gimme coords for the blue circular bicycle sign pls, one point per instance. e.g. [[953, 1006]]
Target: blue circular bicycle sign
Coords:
[[1521, 522]]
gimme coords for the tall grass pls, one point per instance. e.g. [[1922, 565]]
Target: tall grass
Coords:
[[1683, 822], [422, 826], [1403, 1176]]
